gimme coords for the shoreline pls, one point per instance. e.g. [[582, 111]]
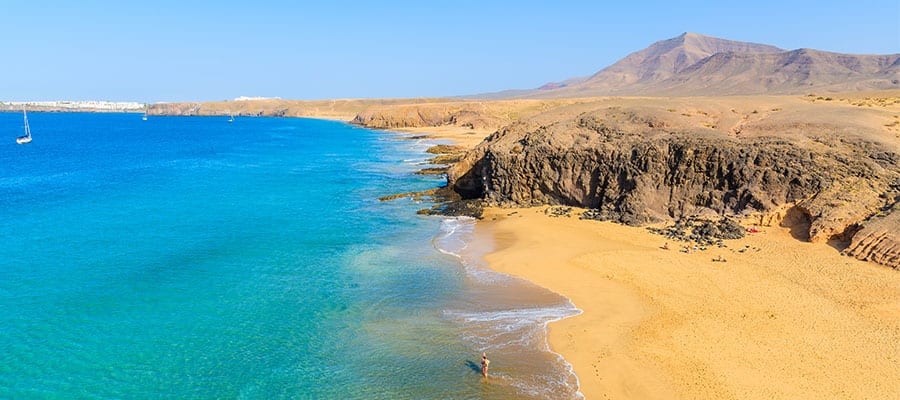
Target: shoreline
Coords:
[[507, 316], [623, 311], [789, 320], [472, 257], [502, 242]]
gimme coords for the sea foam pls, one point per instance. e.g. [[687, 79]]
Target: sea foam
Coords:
[[505, 325]]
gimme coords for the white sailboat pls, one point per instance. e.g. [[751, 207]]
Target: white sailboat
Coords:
[[27, 138], [231, 117], [145, 113]]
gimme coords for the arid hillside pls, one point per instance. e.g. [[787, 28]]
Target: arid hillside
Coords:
[[697, 65]]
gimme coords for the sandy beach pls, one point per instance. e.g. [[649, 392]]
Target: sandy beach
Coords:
[[783, 319]]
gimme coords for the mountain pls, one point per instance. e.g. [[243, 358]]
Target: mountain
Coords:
[[791, 72], [694, 65]]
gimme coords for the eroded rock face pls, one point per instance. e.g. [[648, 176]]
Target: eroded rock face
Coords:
[[878, 240], [637, 169]]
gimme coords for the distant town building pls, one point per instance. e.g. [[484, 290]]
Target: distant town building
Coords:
[[77, 105], [245, 98]]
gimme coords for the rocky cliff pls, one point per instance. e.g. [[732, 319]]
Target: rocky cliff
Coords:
[[640, 163]]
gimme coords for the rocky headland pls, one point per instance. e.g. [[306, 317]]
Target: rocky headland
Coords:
[[829, 170]]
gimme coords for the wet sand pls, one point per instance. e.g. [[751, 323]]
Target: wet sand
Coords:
[[783, 319], [506, 317]]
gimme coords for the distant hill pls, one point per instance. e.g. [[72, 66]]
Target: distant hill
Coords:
[[693, 64]]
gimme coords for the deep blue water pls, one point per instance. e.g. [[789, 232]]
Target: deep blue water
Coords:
[[185, 257]]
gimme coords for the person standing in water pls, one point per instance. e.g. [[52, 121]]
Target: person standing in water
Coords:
[[484, 364]]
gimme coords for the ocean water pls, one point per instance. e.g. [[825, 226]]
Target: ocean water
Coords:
[[185, 257]]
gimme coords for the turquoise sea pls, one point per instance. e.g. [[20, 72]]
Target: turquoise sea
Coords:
[[186, 257]]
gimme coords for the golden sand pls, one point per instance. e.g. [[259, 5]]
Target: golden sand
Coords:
[[782, 320]]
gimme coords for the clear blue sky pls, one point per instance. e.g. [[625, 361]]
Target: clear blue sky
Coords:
[[212, 50]]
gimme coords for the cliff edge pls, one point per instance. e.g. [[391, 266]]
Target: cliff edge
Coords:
[[831, 165]]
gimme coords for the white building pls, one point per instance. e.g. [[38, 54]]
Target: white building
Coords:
[[79, 105]]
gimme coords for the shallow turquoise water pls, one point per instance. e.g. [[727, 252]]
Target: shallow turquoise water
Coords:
[[186, 257]]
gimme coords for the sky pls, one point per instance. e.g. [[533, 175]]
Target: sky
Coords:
[[215, 50]]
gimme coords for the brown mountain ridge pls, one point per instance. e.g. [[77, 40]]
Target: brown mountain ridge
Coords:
[[698, 65]]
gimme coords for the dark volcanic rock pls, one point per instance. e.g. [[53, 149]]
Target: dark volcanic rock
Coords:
[[457, 208], [702, 232], [723, 229]]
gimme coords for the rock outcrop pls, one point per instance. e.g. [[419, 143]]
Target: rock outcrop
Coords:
[[637, 165], [878, 240]]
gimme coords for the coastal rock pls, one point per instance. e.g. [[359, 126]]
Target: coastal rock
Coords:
[[637, 167], [432, 171], [445, 149]]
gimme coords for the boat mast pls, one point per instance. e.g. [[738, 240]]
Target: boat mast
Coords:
[[27, 128]]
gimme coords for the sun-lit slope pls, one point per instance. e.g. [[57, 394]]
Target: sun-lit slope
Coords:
[[698, 65]]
